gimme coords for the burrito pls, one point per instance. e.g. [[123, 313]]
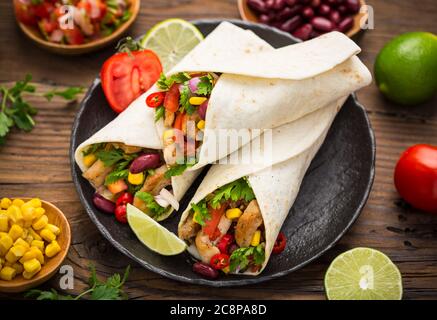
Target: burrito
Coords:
[[235, 216], [204, 101]]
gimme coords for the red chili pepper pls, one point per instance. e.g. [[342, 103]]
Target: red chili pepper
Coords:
[[280, 243], [225, 242], [219, 261], [120, 213], [155, 100], [124, 198]]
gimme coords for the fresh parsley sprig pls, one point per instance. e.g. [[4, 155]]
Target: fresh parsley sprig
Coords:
[[236, 190], [201, 213], [111, 289], [165, 83], [155, 209], [204, 87], [176, 170], [244, 257], [15, 111]]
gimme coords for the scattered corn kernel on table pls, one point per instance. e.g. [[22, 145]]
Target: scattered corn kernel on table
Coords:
[[37, 164]]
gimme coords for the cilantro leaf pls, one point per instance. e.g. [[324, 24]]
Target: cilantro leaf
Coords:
[[244, 257], [204, 87], [176, 170], [159, 113], [92, 149], [201, 213], [114, 176], [67, 94], [155, 209], [110, 157], [184, 101], [165, 83], [236, 190]]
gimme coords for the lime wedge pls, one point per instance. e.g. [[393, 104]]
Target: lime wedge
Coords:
[[171, 40], [152, 234], [363, 274]]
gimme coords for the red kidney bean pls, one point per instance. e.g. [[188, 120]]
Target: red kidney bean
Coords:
[[353, 6], [269, 4], [144, 162], [335, 16], [264, 18], [205, 271], [290, 3], [291, 24], [331, 3], [342, 9], [346, 24], [279, 4], [287, 12], [308, 12], [315, 34], [315, 3], [303, 32], [103, 204], [304, 1], [202, 110], [322, 24], [257, 6], [324, 9]]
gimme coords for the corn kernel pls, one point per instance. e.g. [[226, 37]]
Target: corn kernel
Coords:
[[18, 267], [32, 266], [34, 235], [5, 203], [36, 203], [201, 125], [197, 101], [14, 213], [28, 275], [29, 255], [39, 212], [3, 234], [135, 178], [28, 212], [53, 228], [233, 213], [15, 253], [15, 232], [7, 273], [40, 223], [256, 238], [38, 244], [4, 223], [47, 235], [52, 249], [21, 242], [17, 202], [27, 224], [89, 160], [168, 134], [29, 239], [38, 253], [5, 244]]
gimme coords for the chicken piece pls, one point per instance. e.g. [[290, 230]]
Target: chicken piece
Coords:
[[153, 185], [97, 173], [169, 118], [189, 228], [127, 149], [247, 224], [205, 247]]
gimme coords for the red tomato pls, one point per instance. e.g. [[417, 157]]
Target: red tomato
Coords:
[[47, 26], [43, 9], [25, 12], [125, 77], [155, 99], [73, 36], [219, 261], [280, 243], [211, 224], [124, 198], [171, 102], [225, 242], [416, 177], [180, 119], [120, 213]]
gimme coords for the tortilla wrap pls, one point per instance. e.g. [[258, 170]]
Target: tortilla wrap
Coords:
[[275, 184]]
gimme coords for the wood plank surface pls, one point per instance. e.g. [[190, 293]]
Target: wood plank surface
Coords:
[[37, 163]]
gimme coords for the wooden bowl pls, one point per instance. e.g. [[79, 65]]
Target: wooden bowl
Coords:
[[35, 35], [51, 266], [247, 14]]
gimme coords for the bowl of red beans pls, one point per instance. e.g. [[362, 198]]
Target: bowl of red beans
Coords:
[[306, 19]]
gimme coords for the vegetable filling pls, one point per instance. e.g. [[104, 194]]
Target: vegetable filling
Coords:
[[227, 229]]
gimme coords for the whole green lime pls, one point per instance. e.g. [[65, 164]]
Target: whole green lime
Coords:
[[406, 68]]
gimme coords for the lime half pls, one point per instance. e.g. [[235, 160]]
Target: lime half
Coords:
[[152, 234], [171, 40], [363, 274]]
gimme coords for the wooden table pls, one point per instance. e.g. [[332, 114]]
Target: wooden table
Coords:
[[37, 164]]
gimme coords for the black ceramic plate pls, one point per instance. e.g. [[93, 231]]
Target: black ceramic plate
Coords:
[[332, 195]]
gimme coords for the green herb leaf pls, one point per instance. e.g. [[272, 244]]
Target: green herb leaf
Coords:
[[114, 176], [110, 157], [205, 85], [176, 170], [236, 190], [184, 101], [165, 83], [68, 94], [92, 149], [244, 257], [159, 113], [155, 209], [201, 213]]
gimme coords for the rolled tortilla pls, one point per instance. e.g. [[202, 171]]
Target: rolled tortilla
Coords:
[[275, 184], [263, 88]]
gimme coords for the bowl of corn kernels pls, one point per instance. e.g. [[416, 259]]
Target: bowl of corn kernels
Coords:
[[34, 241]]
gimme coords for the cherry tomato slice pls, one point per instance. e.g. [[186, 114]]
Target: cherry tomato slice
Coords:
[[225, 242], [180, 119], [219, 261], [124, 198], [120, 213], [416, 177], [155, 99], [280, 243], [126, 76], [211, 224], [171, 101]]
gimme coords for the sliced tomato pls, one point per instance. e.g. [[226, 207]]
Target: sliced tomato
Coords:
[[73, 36], [126, 76], [155, 99], [180, 119], [43, 9], [171, 101], [210, 226], [25, 12], [47, 26]]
